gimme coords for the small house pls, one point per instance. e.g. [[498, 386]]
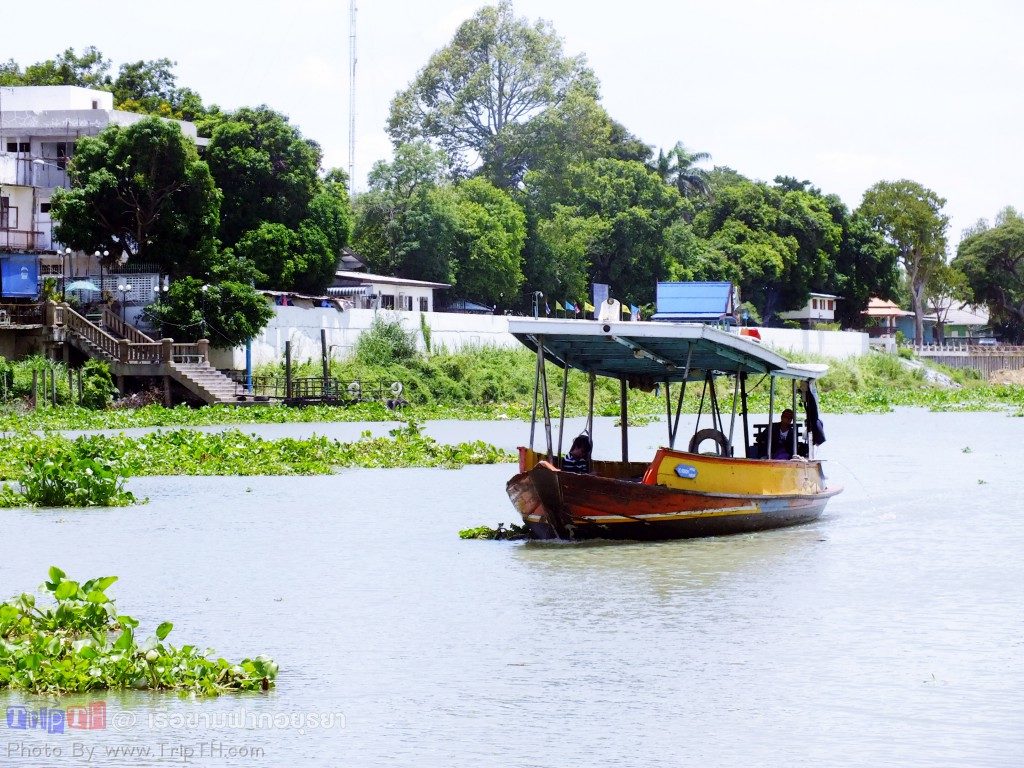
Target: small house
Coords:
[[820, 308]]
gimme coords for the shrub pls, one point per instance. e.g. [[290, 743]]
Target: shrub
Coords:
[[385, 341], [97, 385]]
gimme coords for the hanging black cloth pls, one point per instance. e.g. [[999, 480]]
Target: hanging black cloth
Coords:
[[814, 423]]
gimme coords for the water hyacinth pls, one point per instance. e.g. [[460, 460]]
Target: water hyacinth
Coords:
[[81, 643], [188, 452]]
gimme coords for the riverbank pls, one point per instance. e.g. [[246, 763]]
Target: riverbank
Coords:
[[488, 384]]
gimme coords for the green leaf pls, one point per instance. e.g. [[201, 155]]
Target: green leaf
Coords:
[[164, 630], [56, 574], [97, 596], [105, 582], [125, 641], [66, 590]]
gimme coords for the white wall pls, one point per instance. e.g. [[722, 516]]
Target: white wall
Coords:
[[302, 326], [835, 344], [45, 97], [453, 331]]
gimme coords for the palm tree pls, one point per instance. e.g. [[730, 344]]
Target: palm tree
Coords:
[[678, 167]]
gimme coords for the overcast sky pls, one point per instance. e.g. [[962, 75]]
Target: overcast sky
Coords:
[[843, 94]]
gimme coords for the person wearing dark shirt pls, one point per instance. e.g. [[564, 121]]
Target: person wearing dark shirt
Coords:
[[578, 457]]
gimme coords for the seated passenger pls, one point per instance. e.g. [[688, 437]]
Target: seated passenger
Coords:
[[578, 457], [782, 438]]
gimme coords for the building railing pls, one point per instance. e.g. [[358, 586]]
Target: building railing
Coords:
[[125, 350], [113, 321], [21, 239], [21, 314]]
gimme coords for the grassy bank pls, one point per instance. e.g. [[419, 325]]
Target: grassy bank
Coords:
[[491, 383]]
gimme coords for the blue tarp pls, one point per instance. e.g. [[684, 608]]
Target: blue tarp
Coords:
[[695, 302], [20, 275]]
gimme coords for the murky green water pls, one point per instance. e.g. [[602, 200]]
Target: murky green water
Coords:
[[891, 632]]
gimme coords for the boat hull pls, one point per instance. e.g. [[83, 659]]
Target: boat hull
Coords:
[[563, 505]]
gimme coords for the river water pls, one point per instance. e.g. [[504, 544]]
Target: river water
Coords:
[[890, 632]]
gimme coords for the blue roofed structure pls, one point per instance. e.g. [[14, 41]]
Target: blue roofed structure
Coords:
[[696, 302]]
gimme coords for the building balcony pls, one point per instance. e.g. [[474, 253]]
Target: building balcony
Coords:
[[23, 171]]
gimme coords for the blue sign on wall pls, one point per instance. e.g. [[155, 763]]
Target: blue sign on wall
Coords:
[[20, 275]]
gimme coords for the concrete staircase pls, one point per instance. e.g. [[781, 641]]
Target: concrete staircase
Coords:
[[204, 381]]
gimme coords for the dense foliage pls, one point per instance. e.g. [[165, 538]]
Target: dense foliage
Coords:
[[81, 643], [188, 452], [993, 262], [67, 477], [142, 191]]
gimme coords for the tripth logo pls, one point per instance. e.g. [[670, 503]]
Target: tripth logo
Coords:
[[92, 717]]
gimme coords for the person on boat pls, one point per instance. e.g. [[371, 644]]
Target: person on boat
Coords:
[[578, 457], [782, 436]]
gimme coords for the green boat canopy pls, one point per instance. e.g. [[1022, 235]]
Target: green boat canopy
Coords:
[[655, 351]]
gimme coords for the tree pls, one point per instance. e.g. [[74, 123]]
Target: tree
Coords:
[[266, 170], [619, 211], [227, 313], [141, 190], [777, 244], [150, 87], [947, 287], [993, 262], [678, 167], [403, 225], [289, 260], [490, 233], [476, 94], [90, 70], [866, 266], [909, 216]]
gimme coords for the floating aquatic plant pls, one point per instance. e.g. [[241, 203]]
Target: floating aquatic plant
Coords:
[[81, 643]]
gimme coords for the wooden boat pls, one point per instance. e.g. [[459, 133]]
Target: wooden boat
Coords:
[[678, 494]]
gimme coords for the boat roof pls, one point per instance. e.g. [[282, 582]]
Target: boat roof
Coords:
[[652, 349]]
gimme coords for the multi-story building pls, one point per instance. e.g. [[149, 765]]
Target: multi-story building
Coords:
[[39, 126]]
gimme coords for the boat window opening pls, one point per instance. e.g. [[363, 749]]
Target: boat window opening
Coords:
[[746, 425], [771, 414], [592, 380], [732, 421], [547, 404], [561, 412], [624, 417], [536, 396]]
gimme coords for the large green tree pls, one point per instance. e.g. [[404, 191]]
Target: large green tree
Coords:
[[267, 171], [477, 95], [490, 234], [141, 190], [993, 261], [404, 225], [909, 216], [617, 212], [227, 313], [777, 243], [89, 70]]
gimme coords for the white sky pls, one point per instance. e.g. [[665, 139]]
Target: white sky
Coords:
[[843, 93]]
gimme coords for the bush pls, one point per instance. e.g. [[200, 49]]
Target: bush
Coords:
[[384, 342], [97, 385]]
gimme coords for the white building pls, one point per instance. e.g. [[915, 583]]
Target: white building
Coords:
[[820, 308], [39, 126], [368, 291]]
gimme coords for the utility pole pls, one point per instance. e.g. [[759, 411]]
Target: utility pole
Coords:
[[352, 97]]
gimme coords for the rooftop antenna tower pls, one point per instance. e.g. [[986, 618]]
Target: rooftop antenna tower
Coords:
[[352, 97]]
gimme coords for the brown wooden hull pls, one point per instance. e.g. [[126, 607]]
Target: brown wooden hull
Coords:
[[563, 505]]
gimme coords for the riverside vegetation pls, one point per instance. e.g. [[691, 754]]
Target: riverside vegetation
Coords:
[[81, 643], [187, 452], [487, 383]]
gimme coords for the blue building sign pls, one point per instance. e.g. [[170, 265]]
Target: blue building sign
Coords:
[[19, 275]]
